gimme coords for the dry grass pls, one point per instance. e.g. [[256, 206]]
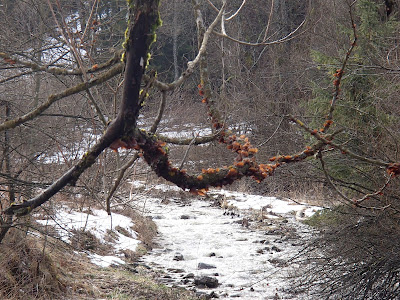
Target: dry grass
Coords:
[[123, 284], [28, 270], [34, 267], [144, 226]]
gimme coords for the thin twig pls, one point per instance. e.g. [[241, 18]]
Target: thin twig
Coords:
[[272, 135], [187, 151], [286, 38]]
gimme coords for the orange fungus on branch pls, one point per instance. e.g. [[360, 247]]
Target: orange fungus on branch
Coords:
[[393, 169]]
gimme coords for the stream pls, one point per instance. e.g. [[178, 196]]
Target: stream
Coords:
[[240, 250]]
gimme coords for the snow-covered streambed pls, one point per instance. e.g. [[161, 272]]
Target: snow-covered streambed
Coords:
[[240, 251], [229, 244]]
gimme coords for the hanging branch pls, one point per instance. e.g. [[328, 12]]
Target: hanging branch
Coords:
[[284, 39], [355, 202], [123, 131], [326, 139], [117, 181]]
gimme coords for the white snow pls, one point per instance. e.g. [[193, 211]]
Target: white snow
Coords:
[[249, 263], [245, 266], [105, 261], [97, 222], [270, 204]]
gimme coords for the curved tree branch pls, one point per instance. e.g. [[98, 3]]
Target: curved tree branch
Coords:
[[286, 38], [144, 19]]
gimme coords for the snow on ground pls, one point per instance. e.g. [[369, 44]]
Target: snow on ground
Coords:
[[97, 222], [248, 263], [186, 131], [105, 260], [269, 204], [247, 246]]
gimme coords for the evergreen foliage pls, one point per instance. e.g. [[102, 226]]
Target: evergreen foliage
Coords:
[[359, 110]]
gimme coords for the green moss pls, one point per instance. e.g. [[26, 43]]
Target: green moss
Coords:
[[154, 27], [126, 41], [130, 3], [152, 37], [326, 217]]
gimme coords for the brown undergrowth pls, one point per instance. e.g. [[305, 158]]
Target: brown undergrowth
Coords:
[[36, 264], [30, 269]]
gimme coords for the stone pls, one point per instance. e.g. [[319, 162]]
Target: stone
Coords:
[[212, 295], [178, 257], [206, 281], [276, 249], [277, 261], [188, 276], [176, 271], [202, 266]]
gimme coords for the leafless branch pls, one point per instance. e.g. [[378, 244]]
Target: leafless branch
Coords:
[[236, 12], [339, 73], [187, 152], [191, 64], [55, 97], [286, 38], [326, 139], [60, 71], [356, 202]]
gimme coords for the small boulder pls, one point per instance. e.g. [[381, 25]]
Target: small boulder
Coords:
[[177, 271], [188, 276], [276, 249], [178, 257], [206, 281], [202, 266], [212, 295]]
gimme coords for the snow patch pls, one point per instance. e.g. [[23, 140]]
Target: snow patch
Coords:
[[105, 261], [97, 222]]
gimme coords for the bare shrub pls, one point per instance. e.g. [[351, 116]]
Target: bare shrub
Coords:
[[357, 256], [144, 226], [84, 240]]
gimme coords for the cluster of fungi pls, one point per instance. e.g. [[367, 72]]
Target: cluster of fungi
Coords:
[[393, 169], [155, 152]]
